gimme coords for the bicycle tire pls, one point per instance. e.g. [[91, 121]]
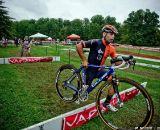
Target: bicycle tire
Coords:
[[136, 112], [63, 73]]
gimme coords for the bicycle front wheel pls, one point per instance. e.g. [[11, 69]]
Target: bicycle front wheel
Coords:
[[136, 112], [68, 83]]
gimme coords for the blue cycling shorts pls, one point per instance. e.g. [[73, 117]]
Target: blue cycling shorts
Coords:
[[92, 73]]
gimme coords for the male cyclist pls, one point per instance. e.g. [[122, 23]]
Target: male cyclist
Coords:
[[99, 51]]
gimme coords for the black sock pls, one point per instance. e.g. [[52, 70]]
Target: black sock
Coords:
[[107, 101]]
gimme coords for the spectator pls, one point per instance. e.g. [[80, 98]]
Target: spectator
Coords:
[[26, 46], [16, 42], [4, 42]]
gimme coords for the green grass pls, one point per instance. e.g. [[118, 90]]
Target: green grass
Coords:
[[147, 62], [138, 51], [28, 95], [9, 51]]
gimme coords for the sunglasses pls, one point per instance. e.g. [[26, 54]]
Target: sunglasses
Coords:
[[108, 31]]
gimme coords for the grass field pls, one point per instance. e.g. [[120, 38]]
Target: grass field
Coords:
[[138, 51], [28, 95]]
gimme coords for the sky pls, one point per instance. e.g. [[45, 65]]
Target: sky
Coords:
[[73, 9]]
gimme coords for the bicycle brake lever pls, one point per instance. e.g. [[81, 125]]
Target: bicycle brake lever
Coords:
[[134, 63], [133, 67]]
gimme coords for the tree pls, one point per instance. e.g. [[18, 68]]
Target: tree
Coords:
[[97, 19], [142, 27], [86, 29], [111, 20], [95, 31], [76, 26], [5, 21]]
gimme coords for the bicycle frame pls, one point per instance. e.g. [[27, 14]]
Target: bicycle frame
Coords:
[[111, 71]]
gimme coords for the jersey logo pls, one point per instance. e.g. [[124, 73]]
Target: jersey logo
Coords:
[[100, 51], [100, 54]]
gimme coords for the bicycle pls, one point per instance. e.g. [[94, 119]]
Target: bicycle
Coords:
[[132, 98]]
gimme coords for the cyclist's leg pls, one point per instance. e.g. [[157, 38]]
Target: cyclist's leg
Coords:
[[111, 91], [22, 51], [100, 74], [29, 51], [90, 75]]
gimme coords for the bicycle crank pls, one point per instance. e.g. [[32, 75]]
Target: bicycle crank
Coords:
[[83, 95]]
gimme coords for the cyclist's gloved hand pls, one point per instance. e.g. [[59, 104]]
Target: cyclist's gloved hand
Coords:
[[117, 60]]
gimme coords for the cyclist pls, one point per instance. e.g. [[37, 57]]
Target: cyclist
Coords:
[[99, 50]]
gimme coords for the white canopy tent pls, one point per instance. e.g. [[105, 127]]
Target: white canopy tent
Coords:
[[38, 35]]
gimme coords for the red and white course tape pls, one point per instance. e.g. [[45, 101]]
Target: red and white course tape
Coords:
[[20, 60]]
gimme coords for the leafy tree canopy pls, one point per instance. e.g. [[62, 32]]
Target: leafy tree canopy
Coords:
[[5, 21]]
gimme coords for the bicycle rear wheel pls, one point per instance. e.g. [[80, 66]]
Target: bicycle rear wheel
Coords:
[[68, 83], [137, 110]]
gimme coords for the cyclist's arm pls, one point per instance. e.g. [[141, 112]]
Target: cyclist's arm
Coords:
[[114, 55], [79, 48]]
